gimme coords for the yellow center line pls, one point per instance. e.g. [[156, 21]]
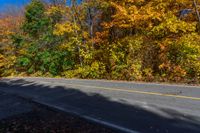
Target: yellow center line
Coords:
[[135, 91]]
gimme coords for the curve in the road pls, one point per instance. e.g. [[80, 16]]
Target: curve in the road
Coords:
[[135, 91]]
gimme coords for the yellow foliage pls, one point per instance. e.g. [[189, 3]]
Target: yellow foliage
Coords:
[[118, 39], [54, 9], [66, 28], [171, 24], [1, 61]]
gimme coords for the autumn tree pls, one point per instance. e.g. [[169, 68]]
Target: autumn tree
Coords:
[[134, 25], [9, 25], [112, 39], [40, 46]]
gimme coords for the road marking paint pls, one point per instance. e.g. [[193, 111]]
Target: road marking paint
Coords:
[[130, 91], [135, 91], [87, 117], [76, 113]]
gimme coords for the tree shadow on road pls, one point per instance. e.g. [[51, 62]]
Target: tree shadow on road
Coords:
[[104, 108]]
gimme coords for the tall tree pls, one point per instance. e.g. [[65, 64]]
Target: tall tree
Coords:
[[36, 22]]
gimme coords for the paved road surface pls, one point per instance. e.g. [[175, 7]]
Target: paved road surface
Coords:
[[11, 105], [128, 106]]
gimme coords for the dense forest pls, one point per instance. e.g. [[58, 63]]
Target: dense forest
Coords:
[[140, 40]]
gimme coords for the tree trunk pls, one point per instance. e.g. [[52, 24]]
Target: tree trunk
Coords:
[[198, 15], [73, 5]]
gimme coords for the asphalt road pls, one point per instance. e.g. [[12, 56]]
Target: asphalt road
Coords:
[[11, 105], [128, 106]]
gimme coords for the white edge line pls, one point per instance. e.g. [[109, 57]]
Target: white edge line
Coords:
[[89, 118], [108, 124]]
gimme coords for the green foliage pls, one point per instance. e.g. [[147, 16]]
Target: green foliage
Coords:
[[186, 53], [53, 62], [110, 39], [24, 61], [35, 19]]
